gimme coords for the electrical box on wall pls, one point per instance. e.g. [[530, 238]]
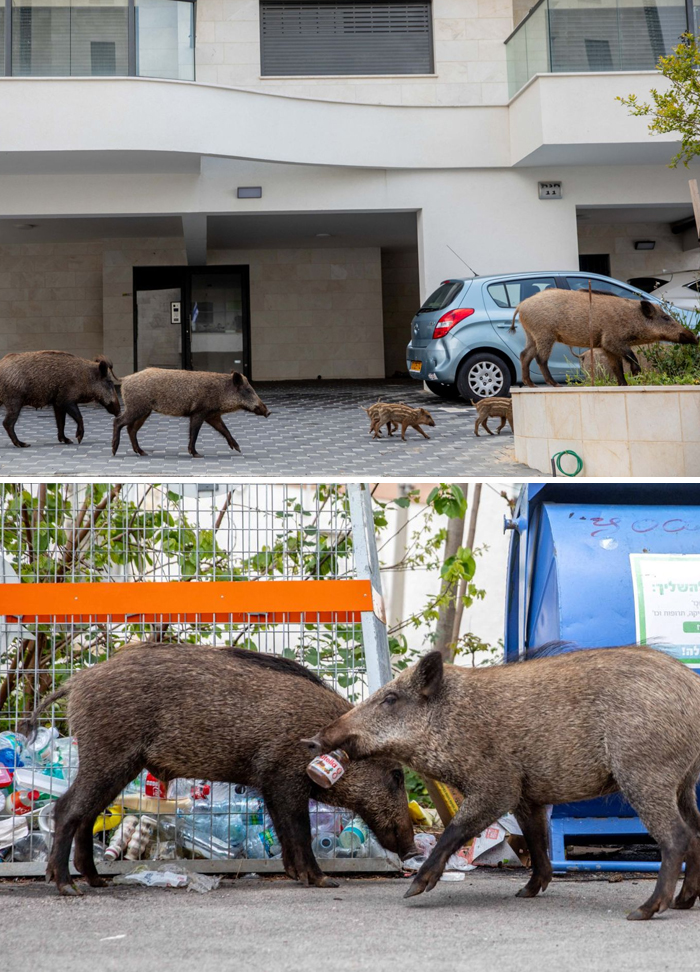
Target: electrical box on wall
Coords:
[[175, 312], [549, 190]]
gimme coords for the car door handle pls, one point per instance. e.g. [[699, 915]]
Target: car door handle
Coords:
[[508, 324]]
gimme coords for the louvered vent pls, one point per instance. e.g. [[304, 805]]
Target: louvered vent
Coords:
[[326, 38]]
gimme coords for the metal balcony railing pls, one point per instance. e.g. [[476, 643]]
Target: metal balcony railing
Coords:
[[560, 36]]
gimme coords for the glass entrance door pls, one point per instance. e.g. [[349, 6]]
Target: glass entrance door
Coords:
[[218, 320]]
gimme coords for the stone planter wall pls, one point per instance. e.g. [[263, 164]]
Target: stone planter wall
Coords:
[[652, 431]]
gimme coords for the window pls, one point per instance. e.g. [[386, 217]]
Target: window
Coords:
[[59, 38], [602, 286], [443, 296], [509, 293], [165, 39], [331, 38]]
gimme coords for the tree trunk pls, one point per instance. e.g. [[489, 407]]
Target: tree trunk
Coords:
[[471, 533], [446, 617]]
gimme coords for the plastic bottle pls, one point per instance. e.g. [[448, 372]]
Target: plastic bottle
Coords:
[[327, 768], [327, 818], [33, 847], [354, 835], [24, 801], [140, 839], [262, 843], [121, 837], [39, 749], [323, 845], [11, 748]]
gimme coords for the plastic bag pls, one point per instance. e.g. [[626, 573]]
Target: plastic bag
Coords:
[[169, 875]]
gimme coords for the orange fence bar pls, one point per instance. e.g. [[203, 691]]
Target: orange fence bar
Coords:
[[263, 601]]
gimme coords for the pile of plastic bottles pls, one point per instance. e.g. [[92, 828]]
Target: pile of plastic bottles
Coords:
[[187, 818]]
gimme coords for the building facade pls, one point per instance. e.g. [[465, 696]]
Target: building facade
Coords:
[[274, 185]]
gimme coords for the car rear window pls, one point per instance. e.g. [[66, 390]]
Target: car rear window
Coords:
[[444, 295], [581, 283], [509, 293]]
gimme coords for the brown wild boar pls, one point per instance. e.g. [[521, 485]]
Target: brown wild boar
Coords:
[[393, 414], [203, 396], [518, 737], [499, 408], [212, 713], [617, 325], [40, 378]]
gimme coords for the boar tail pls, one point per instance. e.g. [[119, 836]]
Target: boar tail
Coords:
[[575, 353], [29, 726], [511, 329]]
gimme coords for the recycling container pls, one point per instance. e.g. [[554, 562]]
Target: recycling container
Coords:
[[597, 564]]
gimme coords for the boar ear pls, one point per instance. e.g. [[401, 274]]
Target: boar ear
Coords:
[[102, 366], [429, 673], [238, 379], [647, 308]]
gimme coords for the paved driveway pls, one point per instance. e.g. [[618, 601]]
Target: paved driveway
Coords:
[[362, 926], [316, 429]]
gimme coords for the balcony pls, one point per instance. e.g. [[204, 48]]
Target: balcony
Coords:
[[568, 36], [97, 38]]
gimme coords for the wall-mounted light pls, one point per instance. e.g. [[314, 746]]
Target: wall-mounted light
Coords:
[[249, 192], [644, 244]]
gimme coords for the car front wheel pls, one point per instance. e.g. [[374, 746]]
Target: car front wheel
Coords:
[[483, 375]]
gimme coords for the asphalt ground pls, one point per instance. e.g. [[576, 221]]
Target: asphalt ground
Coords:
[[273, 925]]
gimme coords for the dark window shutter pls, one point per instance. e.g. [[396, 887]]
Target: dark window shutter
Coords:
[[324, 37]]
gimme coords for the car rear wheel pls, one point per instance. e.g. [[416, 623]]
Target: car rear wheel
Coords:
[[483, 375], [443, 390]]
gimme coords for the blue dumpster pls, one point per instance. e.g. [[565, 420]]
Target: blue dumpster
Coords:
[[574, 575]]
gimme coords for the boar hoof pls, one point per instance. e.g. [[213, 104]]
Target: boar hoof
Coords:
[[141, 453], [683, 904], [65, 441], [195, 454], [417, 887], [97, 882], [527, 892], [22, 445], [641, 914], [69, 891], [326, 882]]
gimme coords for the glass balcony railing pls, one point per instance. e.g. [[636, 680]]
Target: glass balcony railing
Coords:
[[593, 35], [103, 38]]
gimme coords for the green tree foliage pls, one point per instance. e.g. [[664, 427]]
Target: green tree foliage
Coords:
[[677, 108]]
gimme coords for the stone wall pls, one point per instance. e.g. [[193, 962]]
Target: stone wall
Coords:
[[400, 301], [470, 57], [51, 297], [313, 312]]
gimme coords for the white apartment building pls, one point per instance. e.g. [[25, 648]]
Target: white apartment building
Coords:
[[273, 185]]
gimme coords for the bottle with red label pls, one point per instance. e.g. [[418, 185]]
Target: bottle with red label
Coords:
[[327, 768], [23, 801], [154, 787]]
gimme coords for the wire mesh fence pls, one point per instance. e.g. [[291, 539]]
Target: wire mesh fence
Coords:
[[168, 535]]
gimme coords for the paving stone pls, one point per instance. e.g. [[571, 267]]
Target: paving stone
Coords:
[[316, 430]]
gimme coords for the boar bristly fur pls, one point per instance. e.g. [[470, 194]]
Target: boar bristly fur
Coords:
[[212, 713], [548, 731], [40, 378], [202, 396], [614, 324]]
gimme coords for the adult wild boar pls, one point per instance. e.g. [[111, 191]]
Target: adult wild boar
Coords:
[[212, 713], [616, 326], [552, 730], [202, 396], [40, 378]]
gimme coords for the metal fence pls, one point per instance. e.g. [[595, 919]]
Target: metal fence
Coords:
[[89, 569]]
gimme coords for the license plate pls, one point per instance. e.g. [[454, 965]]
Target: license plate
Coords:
[[416, 365]]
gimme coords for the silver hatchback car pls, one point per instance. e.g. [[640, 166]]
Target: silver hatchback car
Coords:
[[461, 343]]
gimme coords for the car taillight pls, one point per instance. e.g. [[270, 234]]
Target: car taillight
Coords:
[[448, 321]]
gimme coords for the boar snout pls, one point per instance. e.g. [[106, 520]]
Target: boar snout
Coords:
[[261, 409], [313, 745], [113, 407], [687, 337]]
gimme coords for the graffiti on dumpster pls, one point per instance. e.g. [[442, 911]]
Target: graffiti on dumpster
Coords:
[[667, 603]]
